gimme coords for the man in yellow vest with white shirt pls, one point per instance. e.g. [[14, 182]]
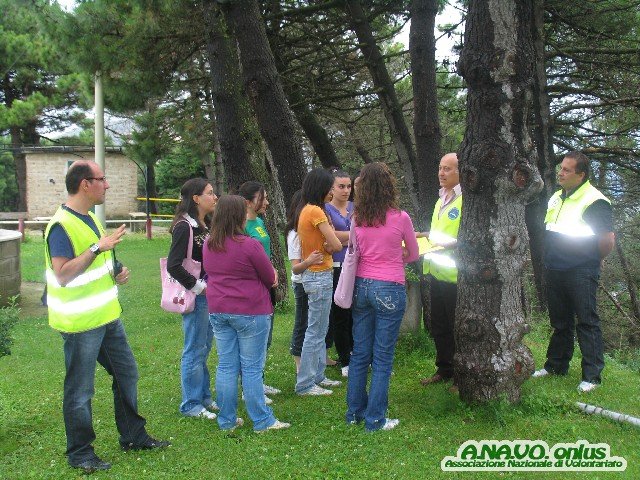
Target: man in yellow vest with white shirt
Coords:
[[82, 298], [440, 264], [579, 234]]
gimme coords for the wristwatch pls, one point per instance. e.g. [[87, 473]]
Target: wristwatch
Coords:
[[95, 249]]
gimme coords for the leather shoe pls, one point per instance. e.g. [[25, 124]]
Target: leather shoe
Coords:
[[149, 444], [92, 465], [437, 378]]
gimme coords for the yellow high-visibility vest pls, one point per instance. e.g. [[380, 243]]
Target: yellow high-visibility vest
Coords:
[[565, 216], [91, 299], [444, 228]]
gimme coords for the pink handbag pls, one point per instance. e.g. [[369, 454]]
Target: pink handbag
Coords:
[[175, 297], [343, 296]]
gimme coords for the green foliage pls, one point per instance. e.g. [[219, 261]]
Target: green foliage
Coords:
[[8, 318], [8, 186]]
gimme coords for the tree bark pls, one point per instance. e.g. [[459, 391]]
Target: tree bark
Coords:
[[426, 121], [388, 99], [242, 150], [235, 132], [266, 96], [498, 175], [535, 211]]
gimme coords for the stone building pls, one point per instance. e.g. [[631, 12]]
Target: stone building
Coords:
[[47, 167]]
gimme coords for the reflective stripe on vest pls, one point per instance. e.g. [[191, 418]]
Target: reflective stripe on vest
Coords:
[[565, 216], [91, 299], [444, 229]]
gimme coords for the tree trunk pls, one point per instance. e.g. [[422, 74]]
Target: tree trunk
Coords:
[[386, 93], [426, 122], [234, 126], [264, 90], [243, 153], [152, 186], [498, 175], [535, 211], [20, 160]]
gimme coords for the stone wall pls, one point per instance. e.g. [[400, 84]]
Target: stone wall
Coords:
[[46, 189]]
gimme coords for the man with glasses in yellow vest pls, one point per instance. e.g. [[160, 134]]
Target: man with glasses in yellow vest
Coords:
[[439, 262], [82, 298], [579, 234]]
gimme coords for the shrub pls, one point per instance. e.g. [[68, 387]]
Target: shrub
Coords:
[[8, 318]]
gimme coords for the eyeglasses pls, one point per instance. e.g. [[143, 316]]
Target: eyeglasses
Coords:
[[102, 179]]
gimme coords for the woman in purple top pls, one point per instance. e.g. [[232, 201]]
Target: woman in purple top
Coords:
[[379, 298], [340, 210], [239, 276]]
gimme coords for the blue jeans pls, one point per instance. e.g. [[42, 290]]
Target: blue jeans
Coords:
[[377, 311], [571, 294], [241, 341], [319, 287], [194, 374], [108, 346], [300, 321]]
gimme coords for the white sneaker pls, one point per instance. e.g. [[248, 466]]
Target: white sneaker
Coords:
[[345, 371], [540, 373], [585, 387], [204, 413], [278, 425], [327, 382], [317, 391], [271, 390], [390, 424]]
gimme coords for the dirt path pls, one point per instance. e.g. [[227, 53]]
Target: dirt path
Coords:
[[30, 303]]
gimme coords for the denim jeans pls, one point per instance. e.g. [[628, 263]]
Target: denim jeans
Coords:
[[319, 288], [194, 374], [377, 310], [108, 346], [300, 321], [241, 341], [572, 294]]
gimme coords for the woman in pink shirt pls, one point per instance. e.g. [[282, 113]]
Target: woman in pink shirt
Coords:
[[379, 297]]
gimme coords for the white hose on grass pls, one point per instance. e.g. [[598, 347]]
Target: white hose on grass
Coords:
[[618, 417]]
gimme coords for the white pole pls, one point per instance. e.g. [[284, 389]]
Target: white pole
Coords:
[[618, 417], [99, 138]]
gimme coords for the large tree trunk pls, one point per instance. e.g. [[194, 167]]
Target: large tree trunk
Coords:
[[498, 175], [235, 131], [386, 93], [242, 150], [634, 334], [535, 211], [426, 122], [264, 90]]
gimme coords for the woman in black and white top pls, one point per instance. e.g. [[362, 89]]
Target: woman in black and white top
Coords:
[[197, 202]]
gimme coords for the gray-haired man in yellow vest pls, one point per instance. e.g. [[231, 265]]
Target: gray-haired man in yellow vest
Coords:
[[82, 298], [579, 234], [440, 264]]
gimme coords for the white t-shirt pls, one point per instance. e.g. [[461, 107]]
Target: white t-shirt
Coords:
[[294, 252]]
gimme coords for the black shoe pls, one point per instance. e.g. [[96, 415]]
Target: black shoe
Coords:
[[92, 465], [148, 444]]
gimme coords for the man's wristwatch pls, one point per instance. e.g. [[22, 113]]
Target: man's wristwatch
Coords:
[[95, 249]]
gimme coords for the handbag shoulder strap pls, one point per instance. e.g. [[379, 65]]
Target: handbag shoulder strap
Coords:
[[352, 234], [190, 246]]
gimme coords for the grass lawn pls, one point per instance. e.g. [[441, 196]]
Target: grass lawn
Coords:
[[434, 423]]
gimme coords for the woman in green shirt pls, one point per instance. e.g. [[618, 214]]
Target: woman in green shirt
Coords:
[[256, 199]]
